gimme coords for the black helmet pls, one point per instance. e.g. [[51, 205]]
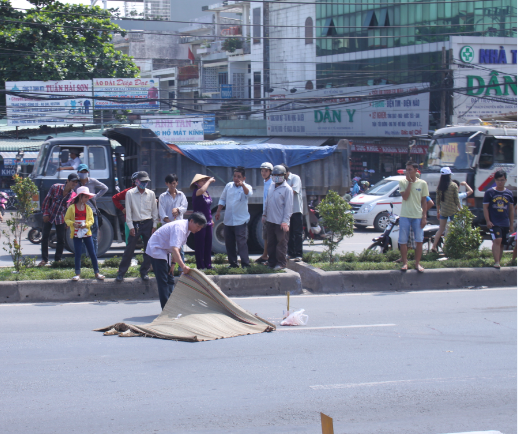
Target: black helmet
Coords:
[[279, 170]]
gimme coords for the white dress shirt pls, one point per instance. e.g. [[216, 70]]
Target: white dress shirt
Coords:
[[166, 203], [235, 202], [296, 184], [141, 206], [171, 235]]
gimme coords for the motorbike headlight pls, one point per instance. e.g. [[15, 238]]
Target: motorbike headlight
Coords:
[[366, 208]]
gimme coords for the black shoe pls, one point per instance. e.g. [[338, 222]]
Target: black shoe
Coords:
[[144, 277], [119, 277]]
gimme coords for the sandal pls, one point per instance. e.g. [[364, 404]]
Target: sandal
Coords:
[[497, 266], [260, 260], [42, 264], [404, 267], [99, 276], [76, 278], [419, 269]]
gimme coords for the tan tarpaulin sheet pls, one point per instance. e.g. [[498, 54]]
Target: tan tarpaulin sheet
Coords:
[[196, 311]]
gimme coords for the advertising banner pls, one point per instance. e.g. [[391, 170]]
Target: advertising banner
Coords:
[[485, 74], [56, 108], [371, 111], [127, 93], [172, 130]]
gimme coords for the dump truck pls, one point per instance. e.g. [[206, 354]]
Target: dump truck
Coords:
[[114, 158]]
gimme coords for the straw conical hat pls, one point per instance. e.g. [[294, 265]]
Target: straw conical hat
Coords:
[[197, 178]]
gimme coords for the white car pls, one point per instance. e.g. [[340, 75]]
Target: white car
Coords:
[[372, 208]]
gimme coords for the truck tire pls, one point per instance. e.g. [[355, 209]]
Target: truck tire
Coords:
[[218, 237], [104, 238], [255, 234], [381, 221]]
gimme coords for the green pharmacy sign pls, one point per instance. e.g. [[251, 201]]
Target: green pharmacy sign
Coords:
[[477, 85]]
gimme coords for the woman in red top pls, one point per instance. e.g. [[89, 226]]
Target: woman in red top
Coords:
[[80, 218]]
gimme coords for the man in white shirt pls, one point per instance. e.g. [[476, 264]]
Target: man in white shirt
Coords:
[[73, 161], [296, 224], [173, 203], [164, 250], [142, 219]]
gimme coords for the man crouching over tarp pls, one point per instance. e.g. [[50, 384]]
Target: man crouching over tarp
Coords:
[[167, 242]]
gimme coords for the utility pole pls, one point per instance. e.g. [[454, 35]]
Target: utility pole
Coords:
[[443, 89], [266, 52]]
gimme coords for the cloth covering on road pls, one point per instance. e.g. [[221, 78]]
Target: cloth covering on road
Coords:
[[196, 311]]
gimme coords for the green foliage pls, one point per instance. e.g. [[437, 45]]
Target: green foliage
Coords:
[[232, 44], [462, 236], [220, 258], [140, 259], [190, 259], [25, 190], [112, 262], [58, 41], [337, 221], [67, 262]]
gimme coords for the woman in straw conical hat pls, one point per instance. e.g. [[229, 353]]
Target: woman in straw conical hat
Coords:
[[202, 202]]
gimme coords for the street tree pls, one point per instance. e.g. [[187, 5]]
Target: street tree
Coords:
[[57, 41]]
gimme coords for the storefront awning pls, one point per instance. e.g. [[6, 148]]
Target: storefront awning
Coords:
[[301, 141], [29, 158]]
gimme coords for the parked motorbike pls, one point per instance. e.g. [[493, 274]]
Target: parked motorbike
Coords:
[[510, 242], [316, 231], [388, 240], [4, 199], [35, 235]]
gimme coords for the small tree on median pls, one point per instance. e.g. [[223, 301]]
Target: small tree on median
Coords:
[[24, 189], [462, 236], [337, 220]]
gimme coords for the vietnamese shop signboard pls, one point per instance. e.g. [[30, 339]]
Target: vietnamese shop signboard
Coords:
[[49, 104], [388, 149], [126, 93], [485, 74], [172, 130], [373, 111]]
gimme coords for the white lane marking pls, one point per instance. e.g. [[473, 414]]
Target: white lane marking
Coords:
[[479, 432], [420, 380], [296, 328]]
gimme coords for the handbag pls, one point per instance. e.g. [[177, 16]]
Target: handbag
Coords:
[[99, 217]]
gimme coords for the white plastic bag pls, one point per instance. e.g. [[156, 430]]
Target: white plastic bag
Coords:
[[295, 319]]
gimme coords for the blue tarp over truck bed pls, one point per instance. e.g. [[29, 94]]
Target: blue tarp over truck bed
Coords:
[[252, 156]]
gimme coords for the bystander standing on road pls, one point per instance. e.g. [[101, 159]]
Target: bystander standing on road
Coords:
[[80, 218], [277, 212], [499, 214], [98, 189], [54, 208], [142, 219], [164, 250], [296, 237], [202, 202], [448, 203], [266, 173], [172, 204], [117, 202], [413, 214], [235, 200]]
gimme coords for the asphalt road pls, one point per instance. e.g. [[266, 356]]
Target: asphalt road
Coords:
[[425, 362], [361, 239]]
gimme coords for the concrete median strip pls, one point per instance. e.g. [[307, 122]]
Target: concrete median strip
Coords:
[[135, 289], [319, 281]]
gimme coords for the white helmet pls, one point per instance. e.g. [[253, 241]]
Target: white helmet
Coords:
[[267, 165]]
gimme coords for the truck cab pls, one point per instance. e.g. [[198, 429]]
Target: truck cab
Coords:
[[473, 153]]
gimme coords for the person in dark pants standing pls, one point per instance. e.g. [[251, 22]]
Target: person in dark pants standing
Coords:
[[54, 209], [276, 215], [165, 243], [296, 222], [96, 187], [142, 219], [235, 200]]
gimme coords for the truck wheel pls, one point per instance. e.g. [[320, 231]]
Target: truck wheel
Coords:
[[218, 237], [104, 238], [255, 238], [381, 221]]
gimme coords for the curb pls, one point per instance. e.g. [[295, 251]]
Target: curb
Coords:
[[37, 291], [319, 281]]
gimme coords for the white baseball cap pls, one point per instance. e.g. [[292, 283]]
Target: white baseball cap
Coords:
[[445, 171], [267, 166]]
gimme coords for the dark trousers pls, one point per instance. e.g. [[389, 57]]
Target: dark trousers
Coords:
[[296, 235], [60, 234], [164, 280], [95, 232], [237, 236], [89, 244], [142, 229], [203, 248], [277, 245]]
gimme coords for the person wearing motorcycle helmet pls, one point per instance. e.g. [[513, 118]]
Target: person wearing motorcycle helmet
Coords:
[[266, 173], [277, 211], [364, 186], [296, 235], [117, 202]]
